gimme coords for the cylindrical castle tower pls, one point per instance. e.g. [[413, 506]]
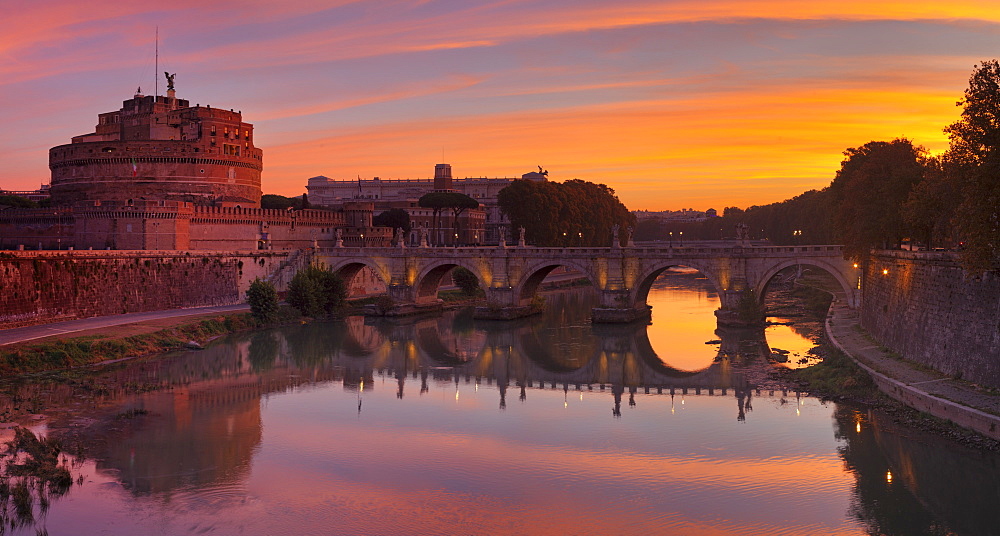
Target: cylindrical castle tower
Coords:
[[160, 148]]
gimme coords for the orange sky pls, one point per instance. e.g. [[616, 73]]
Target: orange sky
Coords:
[[673, 104]]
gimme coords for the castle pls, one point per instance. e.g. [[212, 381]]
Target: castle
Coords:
[[160, 174]]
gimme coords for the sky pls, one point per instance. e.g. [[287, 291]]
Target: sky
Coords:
[[672, 103]]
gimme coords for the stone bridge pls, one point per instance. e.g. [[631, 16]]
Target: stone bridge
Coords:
[[622, 276]]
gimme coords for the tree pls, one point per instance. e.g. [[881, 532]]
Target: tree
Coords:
[[565, 214], [455, 201], [393, 218], [314, 290], [931, 206], [280, 202], [975, 155], [17, 201], [263, 300], [869, 191], [466, 280]]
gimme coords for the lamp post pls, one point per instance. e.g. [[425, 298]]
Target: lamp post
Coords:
[[795, 235], [580, 234], [58, 229], [671, 233], [681, 233]]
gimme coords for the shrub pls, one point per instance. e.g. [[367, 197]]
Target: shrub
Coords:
[[315, 290], [465, 280], [263, 300]]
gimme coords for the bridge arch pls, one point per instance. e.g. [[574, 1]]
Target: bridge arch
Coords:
[[836, 271], [429, 277], [641, 291], [348, 268], [536, 272]]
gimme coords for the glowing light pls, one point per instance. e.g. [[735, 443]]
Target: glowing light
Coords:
[[885, 271], [855, 265], [888, 476], [857, 427]]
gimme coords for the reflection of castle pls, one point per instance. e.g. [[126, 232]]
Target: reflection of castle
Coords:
[[160, 174]]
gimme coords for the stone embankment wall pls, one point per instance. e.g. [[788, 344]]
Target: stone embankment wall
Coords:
[[925, 307], [46, 286]]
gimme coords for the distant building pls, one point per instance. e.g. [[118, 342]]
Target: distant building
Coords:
[[483, 226], [40, 194], [687, 215]]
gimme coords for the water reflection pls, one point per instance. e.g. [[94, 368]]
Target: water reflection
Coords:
[[497, 427]]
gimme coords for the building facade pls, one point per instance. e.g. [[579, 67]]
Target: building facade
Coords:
[[158, 147], [484, 226]]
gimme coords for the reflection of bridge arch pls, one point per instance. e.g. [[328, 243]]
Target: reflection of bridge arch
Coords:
[[765, 281], [648, 278]]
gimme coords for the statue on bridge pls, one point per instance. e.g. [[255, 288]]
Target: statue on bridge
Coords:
[[398, 237], [423, 237], [340, 238], [742, 231], [520, 240], [614, 236], [628, 236]]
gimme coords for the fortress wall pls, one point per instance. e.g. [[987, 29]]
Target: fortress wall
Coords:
[[928, 309], [47, 286]]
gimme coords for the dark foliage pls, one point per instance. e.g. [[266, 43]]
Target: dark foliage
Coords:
[[572, 213], [465, 280], [393, 218], [263, 300], [17, 201], [315, 290]]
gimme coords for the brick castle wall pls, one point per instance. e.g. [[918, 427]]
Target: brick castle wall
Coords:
[[47, 286], [929, 310]]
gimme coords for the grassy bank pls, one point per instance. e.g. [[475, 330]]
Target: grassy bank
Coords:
[[837, 377], [90, 349]]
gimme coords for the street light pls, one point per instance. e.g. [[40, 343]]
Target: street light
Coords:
[[671, 233], [681, 237]]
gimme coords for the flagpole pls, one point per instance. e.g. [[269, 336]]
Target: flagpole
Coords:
[[156, 72]]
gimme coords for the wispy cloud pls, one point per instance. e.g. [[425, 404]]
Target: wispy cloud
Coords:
[[673, 103]]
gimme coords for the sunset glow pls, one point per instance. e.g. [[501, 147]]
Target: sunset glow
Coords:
[[673, 104]]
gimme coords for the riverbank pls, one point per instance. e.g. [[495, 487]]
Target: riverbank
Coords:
[[965, 404], [122, 341], [855, 369]]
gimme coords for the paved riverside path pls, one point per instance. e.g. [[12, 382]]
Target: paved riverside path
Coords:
[[67, 327], [927, 390]]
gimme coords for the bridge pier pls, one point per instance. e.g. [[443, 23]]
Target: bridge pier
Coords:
[[740, 308], [502, 304], [616, 307]]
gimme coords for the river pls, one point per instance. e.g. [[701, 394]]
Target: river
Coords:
[[448, 425]]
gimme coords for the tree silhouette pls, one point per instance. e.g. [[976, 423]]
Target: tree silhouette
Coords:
[[455, 201], [975, 156], [869, 191], [564, 214]]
